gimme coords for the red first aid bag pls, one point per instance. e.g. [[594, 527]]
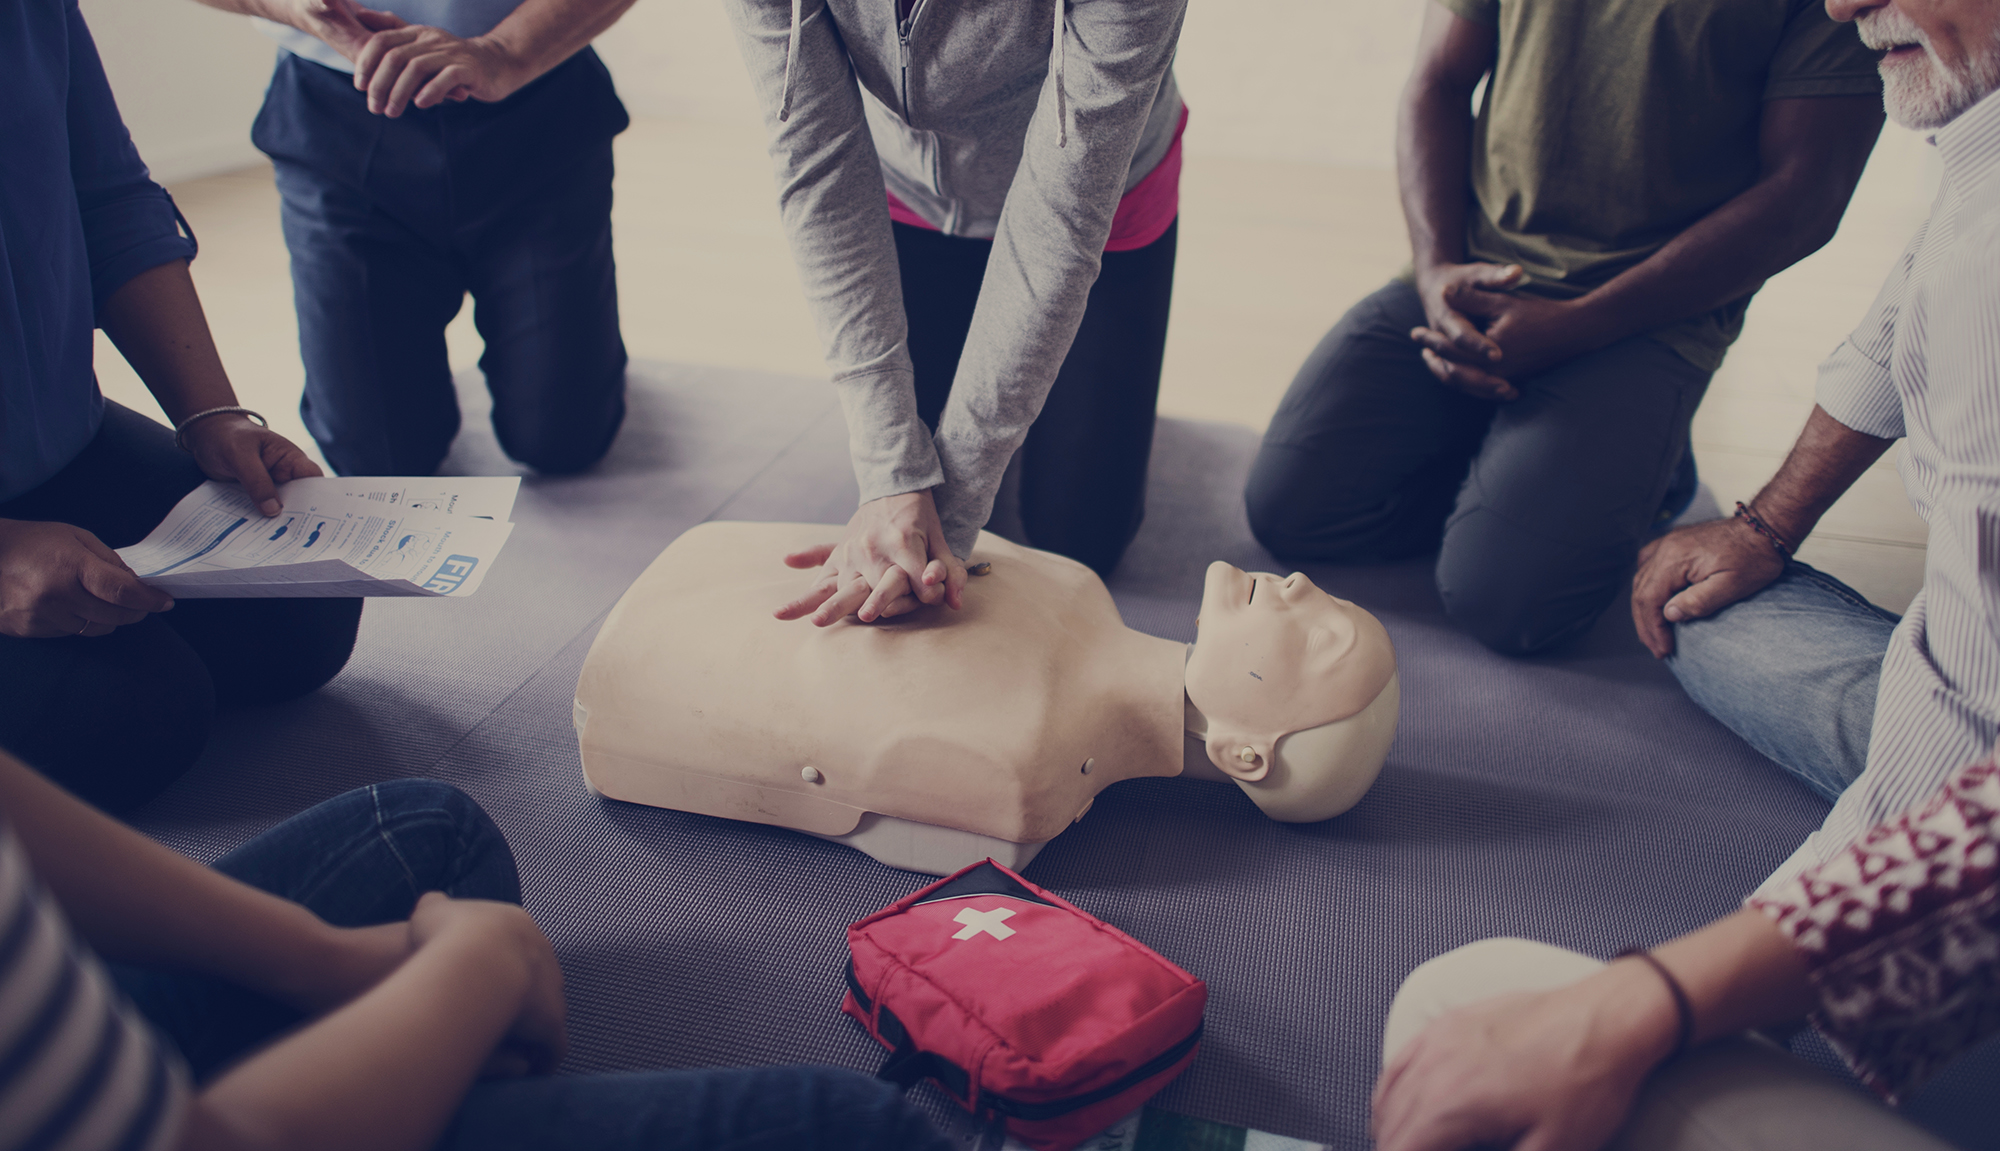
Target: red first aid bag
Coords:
[[1020, 1006]]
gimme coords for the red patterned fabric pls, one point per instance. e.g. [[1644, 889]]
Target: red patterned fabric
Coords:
[[1902, 933]]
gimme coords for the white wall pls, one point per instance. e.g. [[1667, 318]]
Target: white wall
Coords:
[[1308, 80], [188, 81]]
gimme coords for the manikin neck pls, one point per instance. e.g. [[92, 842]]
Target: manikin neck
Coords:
[[1154, 685]]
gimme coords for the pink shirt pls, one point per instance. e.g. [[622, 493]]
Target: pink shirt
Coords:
[[1143, 215]]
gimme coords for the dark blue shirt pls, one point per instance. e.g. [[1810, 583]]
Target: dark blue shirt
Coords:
[[78, 218]]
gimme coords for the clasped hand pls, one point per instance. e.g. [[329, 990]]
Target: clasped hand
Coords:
[[60, 580], [892, 560], [1482, 335], [400, 64]]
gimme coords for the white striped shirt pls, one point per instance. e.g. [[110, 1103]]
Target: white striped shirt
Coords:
[[1924, 366], [79, 1070]]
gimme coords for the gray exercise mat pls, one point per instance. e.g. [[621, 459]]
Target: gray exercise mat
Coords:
[[1579, 799]]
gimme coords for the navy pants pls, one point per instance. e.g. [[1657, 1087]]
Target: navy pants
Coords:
[[116, 718], [1083, 467], [364, 858], [391, 222], [1536, 507]]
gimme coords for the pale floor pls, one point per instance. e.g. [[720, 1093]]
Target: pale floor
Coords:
[[1270, 255]]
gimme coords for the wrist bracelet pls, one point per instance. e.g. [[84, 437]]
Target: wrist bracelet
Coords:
[[1683, 1008], [180, 429], [1744, 513]]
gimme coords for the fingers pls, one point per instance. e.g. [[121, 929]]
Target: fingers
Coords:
[[246, 465], [1653, 585], [378, 21], [454, 78], [398, 91], [811, 557], [910, 558], [1461, 333], [817, 594], [1470, 380], [845, 601], [286, 462], [1706, 597], [123, 597], [954, 583], [894, 585], [1496, 277]]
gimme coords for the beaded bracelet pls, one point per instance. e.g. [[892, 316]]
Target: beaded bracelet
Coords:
[[180, 429], [1744, 513], [1683, 1008]]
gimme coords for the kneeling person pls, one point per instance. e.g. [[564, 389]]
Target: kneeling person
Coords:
[[106, 689], [1583, 253]]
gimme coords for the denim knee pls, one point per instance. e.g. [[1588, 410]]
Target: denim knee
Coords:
[[446, 840], [1794, 671]]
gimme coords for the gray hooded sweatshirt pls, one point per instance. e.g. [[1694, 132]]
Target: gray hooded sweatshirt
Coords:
[[1020, 120]]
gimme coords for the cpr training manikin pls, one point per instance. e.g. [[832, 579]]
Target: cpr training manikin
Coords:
[[940, 738]]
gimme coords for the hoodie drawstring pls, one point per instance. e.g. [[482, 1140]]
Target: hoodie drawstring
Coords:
[[792, 56], [1062, 103]]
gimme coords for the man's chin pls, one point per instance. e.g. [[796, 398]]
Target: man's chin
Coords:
[[1919, 94]]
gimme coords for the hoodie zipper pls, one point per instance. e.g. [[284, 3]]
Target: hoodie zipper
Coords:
[[903, 29]]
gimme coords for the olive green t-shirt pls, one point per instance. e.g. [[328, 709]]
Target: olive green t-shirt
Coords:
[[1608, 126]]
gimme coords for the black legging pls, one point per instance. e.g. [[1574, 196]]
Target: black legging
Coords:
[[116, 718], [1083, 469]]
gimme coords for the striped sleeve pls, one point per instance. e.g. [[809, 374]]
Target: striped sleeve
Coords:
[[1856, 386], [79, 1070]]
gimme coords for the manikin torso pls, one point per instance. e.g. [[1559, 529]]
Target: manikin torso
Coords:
[[942, 737]]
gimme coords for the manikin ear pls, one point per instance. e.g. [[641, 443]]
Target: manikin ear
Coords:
[[1239, 756]]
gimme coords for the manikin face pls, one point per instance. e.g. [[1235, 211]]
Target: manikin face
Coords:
[[1940, 57], [1275, 655]]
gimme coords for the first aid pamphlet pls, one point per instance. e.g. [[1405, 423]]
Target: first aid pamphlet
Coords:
[[338, 536]]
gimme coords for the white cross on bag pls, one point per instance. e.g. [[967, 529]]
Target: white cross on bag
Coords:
[[991, 922]]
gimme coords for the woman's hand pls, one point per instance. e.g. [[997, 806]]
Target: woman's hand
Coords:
[[231, 446], [1545, 1071], [59, 580], [535, 1044], [892, 559]]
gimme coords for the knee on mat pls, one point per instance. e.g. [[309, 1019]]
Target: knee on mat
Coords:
[[139, 724], [317, 638], [1293, 528], [562, 447], [1511, 619], [446, 840]]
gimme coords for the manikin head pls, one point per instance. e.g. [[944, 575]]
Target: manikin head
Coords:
[[1940, 57], [1296, 690]]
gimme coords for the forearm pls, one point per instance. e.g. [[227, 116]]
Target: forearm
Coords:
[[541, 34], [1724, 256], [1825, 461], [1433, 165], [137, 901], [384, 1072], [1814, 150], [156, 319]]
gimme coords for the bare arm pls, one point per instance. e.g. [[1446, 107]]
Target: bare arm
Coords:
[[1812, 152], [388, 1070], [416, 1009], [138, 902], [425, 66], [1433, 170], [1697, 571], [1558, 1070], [157, 322]]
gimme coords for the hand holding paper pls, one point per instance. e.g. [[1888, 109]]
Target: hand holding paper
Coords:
[[336, 537]]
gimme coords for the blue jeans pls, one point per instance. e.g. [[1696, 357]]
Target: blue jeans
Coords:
[[1793, 670], [390, 223], [364, 858]]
